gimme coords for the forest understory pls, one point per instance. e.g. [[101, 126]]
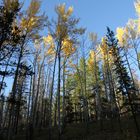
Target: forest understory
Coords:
[[94, 131]]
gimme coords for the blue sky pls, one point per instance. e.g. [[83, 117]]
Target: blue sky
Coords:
[[95, 15]]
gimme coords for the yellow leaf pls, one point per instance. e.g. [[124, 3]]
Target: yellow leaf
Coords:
[[28, 23], [137, 7], [70, 11], [92, 54], [48, 40], [65, 17], [120, 34], [63, 14], [32, 22], [58, 30], [67, 46], [61, 9], [51, 50], [23, 23], [103, 47], [132, 28], [91, 59], [138, 26]]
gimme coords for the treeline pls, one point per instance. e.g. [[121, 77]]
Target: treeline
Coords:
[[64, 77]]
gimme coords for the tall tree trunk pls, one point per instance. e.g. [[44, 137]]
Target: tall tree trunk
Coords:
[[58, 90], [51, 96], [28, 110], [2, 100], [42, 101], [63, 105], [37, 94], [13, 94], [55, 112]]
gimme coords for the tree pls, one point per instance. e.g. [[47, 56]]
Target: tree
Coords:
[[124, 86], [64, 35], [8, 13], [94, 66], [28, 29]]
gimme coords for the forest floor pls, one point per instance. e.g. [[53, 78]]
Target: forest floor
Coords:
[[94, 131]]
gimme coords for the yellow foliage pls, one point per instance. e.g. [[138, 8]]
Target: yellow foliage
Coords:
[[48, 40], [138, 26], [103, 47], [137, 7], [51, 50], [120, 35], [89, 63], [67, 46], [126, 30], [66, 43], [132, 28], [92, 54], [58, 29], [70, 11], [32, 22], [61, 31], [28, 24], [23, 23], [91, 59], [64, 17], [61, 10]]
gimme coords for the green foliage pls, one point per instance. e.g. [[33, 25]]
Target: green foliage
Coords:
[[122, 78]]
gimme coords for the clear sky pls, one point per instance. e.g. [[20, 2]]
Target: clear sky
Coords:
[[95, 15]]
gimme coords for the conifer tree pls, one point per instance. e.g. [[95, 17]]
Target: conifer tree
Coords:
[[124, 82]]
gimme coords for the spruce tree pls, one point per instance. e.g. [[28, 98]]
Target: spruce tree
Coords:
[[123, 80]]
